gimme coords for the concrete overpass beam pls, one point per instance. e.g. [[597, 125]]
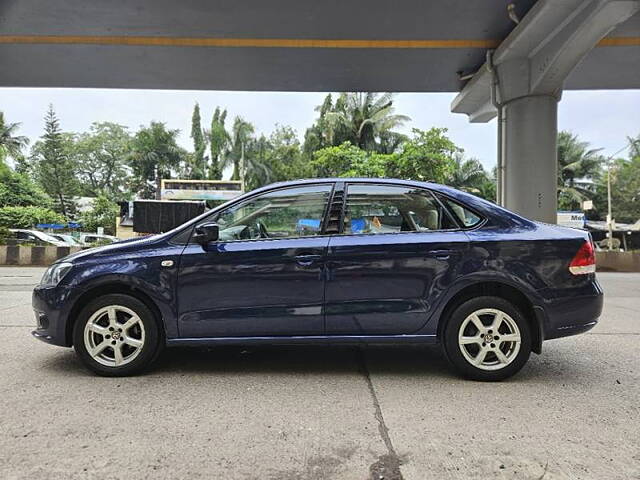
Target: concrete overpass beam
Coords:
[[522, 81]]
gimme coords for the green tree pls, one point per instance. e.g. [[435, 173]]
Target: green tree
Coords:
[[154, 155], [625, 189], [337, 161], [286, 160], [100, 155], [257, 157], [11, 145], [634, 147], [578, 166], [102, 214], [198, 161], [53, 165], [241, 136], [487, 188], [347, 160], [219, 140], [467, 174], [28, 217], [367, 120], [428, 156], [321, 133], [19, 190]]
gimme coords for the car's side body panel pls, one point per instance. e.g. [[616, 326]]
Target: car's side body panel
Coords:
[[252, 288], [134, 265], [386, 284], [385, 287]]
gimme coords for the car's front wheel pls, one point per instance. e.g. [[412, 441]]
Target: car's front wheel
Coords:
[[487, 338], [116, 335]]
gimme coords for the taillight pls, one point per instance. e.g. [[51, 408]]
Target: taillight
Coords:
[[584, 261]]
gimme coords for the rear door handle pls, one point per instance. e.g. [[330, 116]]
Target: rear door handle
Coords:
[[305, 260], [440, 254]]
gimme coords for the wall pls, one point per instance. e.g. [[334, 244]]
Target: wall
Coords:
[[23, 255], [618, 261]]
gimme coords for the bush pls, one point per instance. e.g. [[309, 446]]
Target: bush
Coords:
[[4, 234], [103, 214], [18, 190], [28, 217], [427, 156]]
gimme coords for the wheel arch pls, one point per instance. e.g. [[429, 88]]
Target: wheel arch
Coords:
[[108, 289], [533, 314]]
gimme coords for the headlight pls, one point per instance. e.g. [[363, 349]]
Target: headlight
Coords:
[[54, 274]]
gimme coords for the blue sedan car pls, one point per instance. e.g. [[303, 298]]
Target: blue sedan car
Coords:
[[329, 260]]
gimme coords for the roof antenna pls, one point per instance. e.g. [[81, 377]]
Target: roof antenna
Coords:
[[511, 9]]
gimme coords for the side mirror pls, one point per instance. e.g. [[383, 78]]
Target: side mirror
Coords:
[[205, 233]]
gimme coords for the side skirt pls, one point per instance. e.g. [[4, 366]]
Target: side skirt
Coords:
[[322, 339]]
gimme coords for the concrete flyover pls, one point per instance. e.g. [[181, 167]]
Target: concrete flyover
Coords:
[[536, 49]]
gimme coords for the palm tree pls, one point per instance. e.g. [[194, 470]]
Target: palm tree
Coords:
[[634, 151], [241, 135], [219, 140], [154, 154], [468, 174], [10, 144], [365, 117], [257, 169], [578, 166]]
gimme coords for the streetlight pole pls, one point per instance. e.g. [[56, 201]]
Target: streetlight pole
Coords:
[[609, 215]]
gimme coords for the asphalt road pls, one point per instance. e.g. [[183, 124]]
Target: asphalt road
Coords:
[[322, 413]]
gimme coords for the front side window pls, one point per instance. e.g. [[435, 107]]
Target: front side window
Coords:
[[285, 213], [373, 209]]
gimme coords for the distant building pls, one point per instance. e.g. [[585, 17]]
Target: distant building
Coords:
[[216, 190]]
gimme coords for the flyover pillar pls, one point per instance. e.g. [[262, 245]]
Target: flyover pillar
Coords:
[[529, 138], [521, 82]]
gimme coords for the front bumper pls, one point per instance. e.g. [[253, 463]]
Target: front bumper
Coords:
[[51, 306]]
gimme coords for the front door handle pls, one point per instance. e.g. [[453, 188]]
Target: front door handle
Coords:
[[440, 254], [306, 260]]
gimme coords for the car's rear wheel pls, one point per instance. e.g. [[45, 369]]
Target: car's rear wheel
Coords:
[[116, 335], [487, 338]]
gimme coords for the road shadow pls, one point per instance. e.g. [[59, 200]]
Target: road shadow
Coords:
[[304, 359], [420, 361]]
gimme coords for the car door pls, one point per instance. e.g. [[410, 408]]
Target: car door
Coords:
[[398, 249], [265, 274]]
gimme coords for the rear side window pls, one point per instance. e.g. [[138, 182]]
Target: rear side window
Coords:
[[466, 217], [376, 209]]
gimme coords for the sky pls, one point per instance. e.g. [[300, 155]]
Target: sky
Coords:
[[603, 118]]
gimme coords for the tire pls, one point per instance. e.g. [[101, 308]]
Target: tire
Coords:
[[473, 349], [116, 348]]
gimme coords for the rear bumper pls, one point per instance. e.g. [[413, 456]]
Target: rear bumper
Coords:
[[575, 313]]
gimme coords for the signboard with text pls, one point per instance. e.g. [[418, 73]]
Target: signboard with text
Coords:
[[219, 190], [571, 219]]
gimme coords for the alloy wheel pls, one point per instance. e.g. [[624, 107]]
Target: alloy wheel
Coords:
[[114, 335], [489, 339]]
